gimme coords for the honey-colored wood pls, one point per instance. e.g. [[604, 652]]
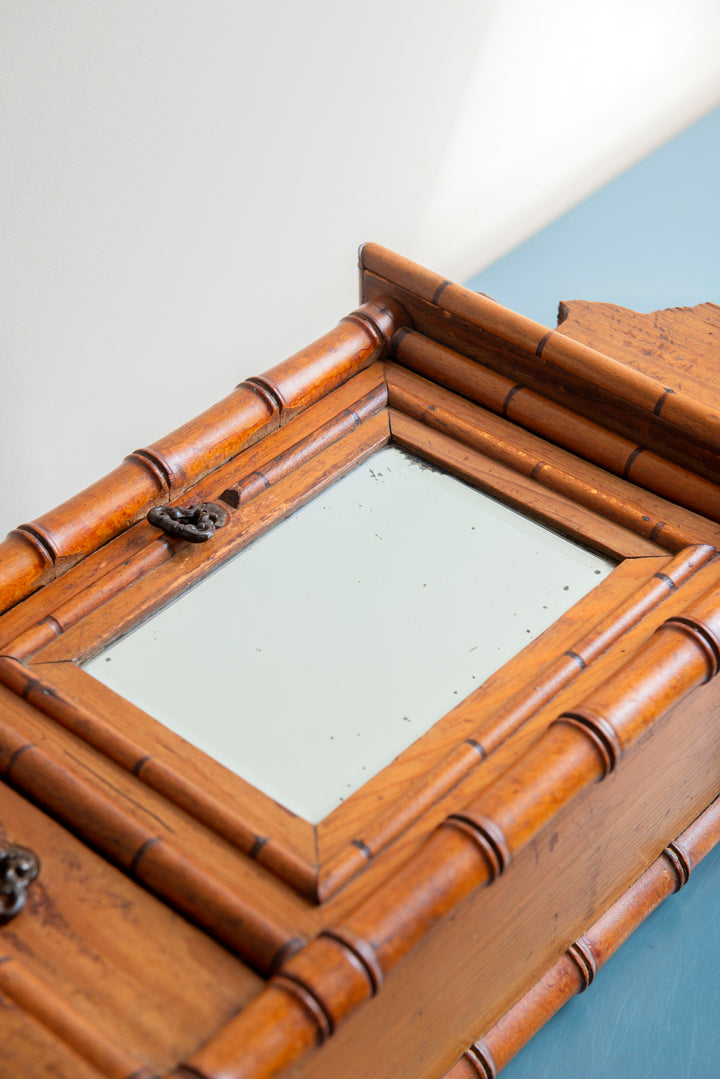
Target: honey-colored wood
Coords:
[[245, 817], [487, 718], [435, 897], [459, 975], [170, 779], [516, 490], [148, 838], [299, 871], [576, 968], [663, 344], [110, 971], [30, 992], [35, 553], [94, 580], [584, 436], [551, 363], [654, 518], [409, 783], [54, 699], [192, 561], [29, 1048], [472, 848]]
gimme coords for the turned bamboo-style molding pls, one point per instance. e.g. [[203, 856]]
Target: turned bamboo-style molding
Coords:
[[503, 723], [124, 751], [27, 991], [526, 494], [38, 552], [565, 370], [326, 912], [149, 858], [645, 525], [249, 474], [321, 985], [657, 520], [160, 547], [576, 969], [515, 402]]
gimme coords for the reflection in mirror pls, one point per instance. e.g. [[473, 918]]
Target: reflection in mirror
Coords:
[[325, 648]]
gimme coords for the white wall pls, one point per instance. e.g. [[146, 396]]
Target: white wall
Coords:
[[185, 184]]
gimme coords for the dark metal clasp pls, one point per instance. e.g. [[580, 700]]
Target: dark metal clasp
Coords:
[[196, 523], [18, 869]]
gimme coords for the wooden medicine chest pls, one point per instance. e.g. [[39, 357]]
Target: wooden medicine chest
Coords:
[[193, 917]]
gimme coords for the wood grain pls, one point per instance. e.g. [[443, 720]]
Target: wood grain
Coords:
[[172, 781], [511, 487], [30, 1049], [475, 847], [246, 818], [576, 968], [90, 581], [109, 970], [420, 778], [584, 436], [469, 968], [191, 562], [46, 548], [131, 837], [617, 500], [548, 362], [435, 898], [665, 345]]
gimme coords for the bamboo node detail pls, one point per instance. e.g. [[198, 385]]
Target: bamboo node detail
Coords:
[[41, 542], [702, 635], [362, 952], [309, 1001], [601, 733], [267, 391], [481, 1059], [680, 862], [487, 836], [584, 960]]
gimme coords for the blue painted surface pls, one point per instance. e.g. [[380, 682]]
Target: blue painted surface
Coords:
[[650, 239], [653, 1009]]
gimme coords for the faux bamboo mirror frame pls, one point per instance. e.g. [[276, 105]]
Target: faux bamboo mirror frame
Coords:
[[580, 442]]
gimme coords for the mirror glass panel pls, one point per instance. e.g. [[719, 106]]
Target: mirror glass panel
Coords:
[[326, 647]]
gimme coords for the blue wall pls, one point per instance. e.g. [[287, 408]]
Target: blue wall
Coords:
[[650, 239]]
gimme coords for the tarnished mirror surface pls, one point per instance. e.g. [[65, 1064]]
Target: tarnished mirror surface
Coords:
[[326, 647]]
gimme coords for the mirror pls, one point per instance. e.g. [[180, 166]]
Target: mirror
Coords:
[[326, 647]]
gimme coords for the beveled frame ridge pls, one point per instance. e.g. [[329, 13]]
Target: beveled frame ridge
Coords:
[[39, 552], [43, 550], [541, 459]]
